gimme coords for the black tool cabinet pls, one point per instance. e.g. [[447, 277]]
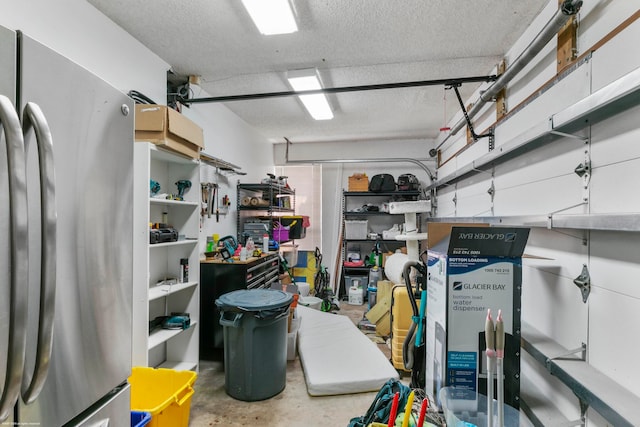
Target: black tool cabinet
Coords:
[[219, 277]]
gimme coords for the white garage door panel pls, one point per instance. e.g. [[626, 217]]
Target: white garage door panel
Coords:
[[475, 205], [614, 329], [609, 63], [616, 139], [553, 305], [614, 188], [565, 248], [473, 151], [566, 92], [558, 158], [615, 262], [452, 146], [447, 168], [473, 199], [541, 197], [446, 207]]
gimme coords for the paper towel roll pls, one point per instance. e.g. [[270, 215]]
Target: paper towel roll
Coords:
[[394, 265]]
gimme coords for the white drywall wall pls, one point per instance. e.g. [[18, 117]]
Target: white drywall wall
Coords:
[[543, 181]]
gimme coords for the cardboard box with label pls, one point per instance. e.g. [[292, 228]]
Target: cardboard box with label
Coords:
[[169, 129], [472, 269]]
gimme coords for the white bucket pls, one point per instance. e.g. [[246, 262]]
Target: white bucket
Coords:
[[303, 288], [311, 302]]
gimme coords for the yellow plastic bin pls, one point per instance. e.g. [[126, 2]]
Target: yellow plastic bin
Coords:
[[164, 393]]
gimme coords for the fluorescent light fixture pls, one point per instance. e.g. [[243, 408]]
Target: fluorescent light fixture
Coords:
[[316, 104], [272, 16]]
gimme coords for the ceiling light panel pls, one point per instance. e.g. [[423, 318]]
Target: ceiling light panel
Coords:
[[272, 16], [316, 104]]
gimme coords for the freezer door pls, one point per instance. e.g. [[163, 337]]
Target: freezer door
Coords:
[[13, 228], [8, 64], [113, 411], [91, 127]]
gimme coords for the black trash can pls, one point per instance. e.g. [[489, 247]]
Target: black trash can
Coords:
[[255, 342]]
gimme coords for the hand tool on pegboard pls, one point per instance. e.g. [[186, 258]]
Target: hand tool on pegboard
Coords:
[[208, 197], [215, 195]]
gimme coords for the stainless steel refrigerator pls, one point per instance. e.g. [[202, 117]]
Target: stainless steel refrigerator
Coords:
[[66, 224]]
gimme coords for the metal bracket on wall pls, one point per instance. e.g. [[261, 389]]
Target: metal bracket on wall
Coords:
[[455, 203], [492, 192], [582, 350], [583, 281], [551, 214], [467, 118], [583, 170]]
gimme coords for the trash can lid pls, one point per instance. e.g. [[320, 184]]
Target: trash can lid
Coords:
[[254, 299]]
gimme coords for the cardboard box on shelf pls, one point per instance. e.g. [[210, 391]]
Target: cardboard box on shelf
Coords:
[[169, 129], [359, 182]]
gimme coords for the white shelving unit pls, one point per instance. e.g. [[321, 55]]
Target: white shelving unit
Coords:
[[155, 263]]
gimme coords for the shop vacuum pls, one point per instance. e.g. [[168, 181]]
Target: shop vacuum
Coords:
[[413, 349]]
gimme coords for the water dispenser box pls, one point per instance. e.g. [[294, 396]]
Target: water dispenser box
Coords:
[[471, 270]]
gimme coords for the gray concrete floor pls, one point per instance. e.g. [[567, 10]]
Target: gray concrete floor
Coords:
[[293, 407]]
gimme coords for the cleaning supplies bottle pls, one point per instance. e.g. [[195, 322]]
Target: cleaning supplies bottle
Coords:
[[265, 243], [250, 245], [372, 286], [184, 270]]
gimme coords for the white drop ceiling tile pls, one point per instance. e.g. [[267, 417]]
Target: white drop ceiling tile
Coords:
[[615, 262], [614, 326]]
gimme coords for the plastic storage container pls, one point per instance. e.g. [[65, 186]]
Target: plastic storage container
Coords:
[[140, 419], [163, 393], [281, 233], [355, 229], [255, 342], [453, 399], [296, 223]]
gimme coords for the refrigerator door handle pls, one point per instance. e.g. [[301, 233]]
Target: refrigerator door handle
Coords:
[[19, 256], [33, 118]]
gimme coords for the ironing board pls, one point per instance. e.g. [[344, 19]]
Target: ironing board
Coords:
[[337, 358]]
